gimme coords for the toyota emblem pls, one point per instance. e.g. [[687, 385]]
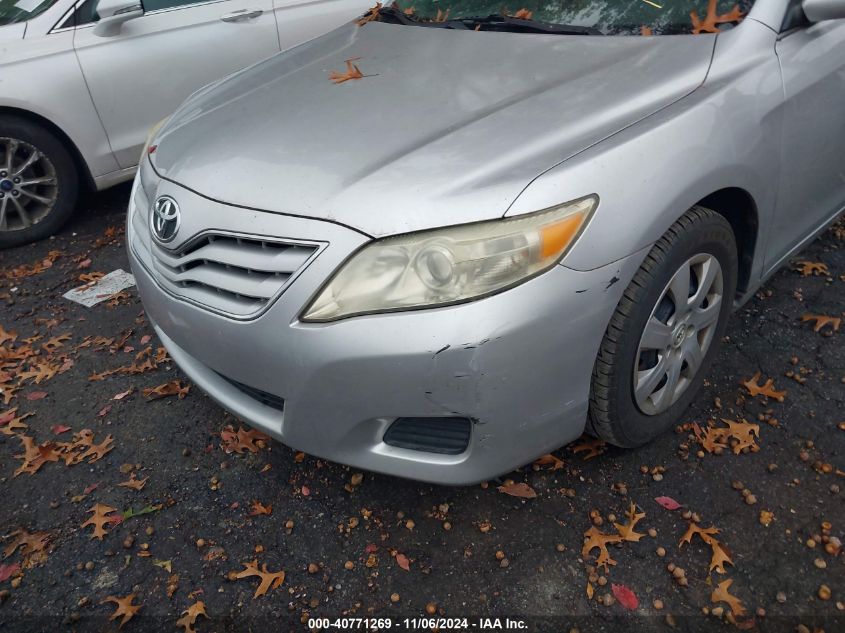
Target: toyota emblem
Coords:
[[164, 219]]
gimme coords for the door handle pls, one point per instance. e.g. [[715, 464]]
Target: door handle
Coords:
[[241, 15]]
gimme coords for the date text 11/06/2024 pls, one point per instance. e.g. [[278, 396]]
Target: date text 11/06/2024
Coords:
[[442, 624]]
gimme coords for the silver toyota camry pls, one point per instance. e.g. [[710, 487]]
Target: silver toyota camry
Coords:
[[444, 239]]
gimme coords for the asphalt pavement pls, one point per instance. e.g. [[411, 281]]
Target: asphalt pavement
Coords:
[[358, 548]]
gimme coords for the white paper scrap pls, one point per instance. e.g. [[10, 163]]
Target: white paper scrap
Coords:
[[93, 293]]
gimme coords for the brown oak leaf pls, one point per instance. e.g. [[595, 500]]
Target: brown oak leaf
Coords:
[[595, 538], [592, 447], [721, 556], [242, 440], [706, 534], [172, 388], [100, 518], [626, 531], [124, 608], [807, 268], [721, 594], [371, 15], [712, 19], [352, 72], [767, 389], [269, 580], [133, 482], [552, 461], [822, 320], [190, 615], [259, 508], [33, 547]]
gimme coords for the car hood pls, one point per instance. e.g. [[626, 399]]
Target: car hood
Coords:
[[446, 126]]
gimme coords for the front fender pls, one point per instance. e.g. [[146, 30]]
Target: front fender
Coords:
[[725, 134]]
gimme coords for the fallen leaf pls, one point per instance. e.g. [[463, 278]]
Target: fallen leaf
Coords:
[[33, 547], [595, 538], [521, 489], [132, 482], [822, 320], [100, 518], [371, 15], [58, 429], [129, 513], [403, 562], [592, 447], [190, 615], [706, 534], [165, 565], [258, 508], [123, 394], [768, 389], [668, 502], [7, 571], [172, 388], [124, 608], [712, 19], [626, 531], [590, 591], [523, 14], [625, 596], [36, 395], [554, 462], [242, 440], [352, 72], [721, 594], [721, 557], [104, 411], [269, 580], [807, 268], [91, 488]]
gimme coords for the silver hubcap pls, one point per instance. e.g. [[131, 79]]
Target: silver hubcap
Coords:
[[678, 334], [28, 185]]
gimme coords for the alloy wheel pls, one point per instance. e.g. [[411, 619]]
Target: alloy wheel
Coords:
[[29, 186], [678, 334]]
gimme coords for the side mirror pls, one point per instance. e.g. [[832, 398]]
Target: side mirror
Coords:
[[820, 10], [113, 13]]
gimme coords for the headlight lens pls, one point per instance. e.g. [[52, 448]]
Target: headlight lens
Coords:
[[451, 265]]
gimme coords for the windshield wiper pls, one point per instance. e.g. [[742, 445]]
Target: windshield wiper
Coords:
[[495, 22]]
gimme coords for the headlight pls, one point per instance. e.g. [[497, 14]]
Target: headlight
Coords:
[[151, 135], [451, 265]]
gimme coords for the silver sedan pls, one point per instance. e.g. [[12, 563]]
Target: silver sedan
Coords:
[[439, 243]]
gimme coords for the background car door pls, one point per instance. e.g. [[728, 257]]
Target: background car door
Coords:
[[812, 183], [141, 75], [302, 20]]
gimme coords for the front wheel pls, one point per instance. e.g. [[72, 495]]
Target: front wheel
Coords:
[[38, 182], [665, 331]]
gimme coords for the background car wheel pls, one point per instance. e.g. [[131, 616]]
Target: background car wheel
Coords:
[[665, 331], [38, 183]]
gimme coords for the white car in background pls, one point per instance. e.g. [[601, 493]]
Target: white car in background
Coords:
[[83, 81]]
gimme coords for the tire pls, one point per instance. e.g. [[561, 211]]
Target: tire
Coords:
[[624, 410], [53, 177]]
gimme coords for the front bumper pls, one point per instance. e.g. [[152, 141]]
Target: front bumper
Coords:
[[518, 364]]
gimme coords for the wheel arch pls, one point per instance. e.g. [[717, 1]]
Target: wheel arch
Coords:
[[738, 207], [85, 177]]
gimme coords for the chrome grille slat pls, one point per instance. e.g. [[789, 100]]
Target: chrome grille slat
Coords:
[[244, 255], [232, 280]]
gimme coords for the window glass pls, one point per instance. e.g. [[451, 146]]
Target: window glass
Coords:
[[156, 5], [12, 11]]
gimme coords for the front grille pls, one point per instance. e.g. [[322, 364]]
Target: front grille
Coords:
[[265, 398], [447, 436], [237, 275]]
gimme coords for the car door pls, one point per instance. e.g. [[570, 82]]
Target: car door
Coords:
[[812, 183], [141, 75], [302, 20]]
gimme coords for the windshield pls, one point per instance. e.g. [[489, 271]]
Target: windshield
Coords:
[[12, 11], [609, 17]]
